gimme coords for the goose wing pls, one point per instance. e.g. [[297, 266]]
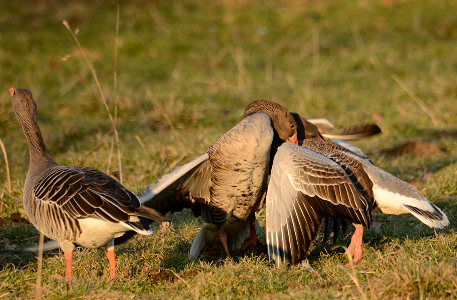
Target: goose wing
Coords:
[[185, 187], [304, 187], [81, 192]]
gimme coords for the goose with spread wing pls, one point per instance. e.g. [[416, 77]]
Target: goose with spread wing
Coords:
[[321, 178], [189, 187], [225, 185], [74, 205]]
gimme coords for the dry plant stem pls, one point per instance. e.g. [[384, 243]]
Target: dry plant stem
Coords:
[[116, 45], [353, 276], [110, 156], [40, 266], [116, 95], [5, 156], [181, 279], [435, 121], [102, 95]]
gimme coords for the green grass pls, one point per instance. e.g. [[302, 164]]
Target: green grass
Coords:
[[186, 70]]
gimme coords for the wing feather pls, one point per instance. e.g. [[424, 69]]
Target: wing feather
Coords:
[[304, 187], [186, 187], [81, 192]]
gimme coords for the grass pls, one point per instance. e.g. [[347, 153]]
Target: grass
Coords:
[[185, 70]]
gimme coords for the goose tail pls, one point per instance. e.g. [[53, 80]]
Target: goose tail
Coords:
[[432, 217], [394, 196]]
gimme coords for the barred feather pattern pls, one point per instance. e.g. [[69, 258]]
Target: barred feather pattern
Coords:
[[65, 194], [306, 186], [240, 162]]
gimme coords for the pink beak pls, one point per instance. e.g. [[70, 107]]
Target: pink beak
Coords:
[[293, 139], [12, 90]]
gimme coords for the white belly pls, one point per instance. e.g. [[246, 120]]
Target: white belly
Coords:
[[96, 233]]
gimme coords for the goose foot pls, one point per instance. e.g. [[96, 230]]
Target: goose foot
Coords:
[[112, 263], [68, 257], [355, 247], [252, 240], [164, 226], [223, 238]]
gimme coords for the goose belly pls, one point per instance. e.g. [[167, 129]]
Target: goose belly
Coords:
[[96, 233]]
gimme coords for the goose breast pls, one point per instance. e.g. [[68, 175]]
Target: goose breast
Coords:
[[240, 161]]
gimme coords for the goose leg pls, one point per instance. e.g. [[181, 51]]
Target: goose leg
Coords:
[[223, 238], [68, 257], [111, 259], [251, 241], [355, 247], [327, 225]]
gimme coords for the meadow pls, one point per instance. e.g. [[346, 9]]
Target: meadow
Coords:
[[178, 74]]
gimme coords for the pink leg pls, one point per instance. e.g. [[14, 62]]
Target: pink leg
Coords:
[[68, 257], [251, 241], [355, 247], [223, 238], [112, 263]]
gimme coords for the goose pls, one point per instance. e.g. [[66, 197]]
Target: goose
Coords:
[[74, 205], [320, 128], [226, 184], [321, 178], [189, 187]]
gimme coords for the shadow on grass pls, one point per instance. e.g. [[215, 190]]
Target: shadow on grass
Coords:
[[386, 229], [21, 236]]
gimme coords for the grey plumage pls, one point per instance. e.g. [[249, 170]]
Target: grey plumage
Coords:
[[73, 205], [226, 185], [324, 179]]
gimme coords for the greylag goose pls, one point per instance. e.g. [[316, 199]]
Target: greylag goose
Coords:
[[189, 187], [225, 185], [321, 178], [322, 129], [74, 205]]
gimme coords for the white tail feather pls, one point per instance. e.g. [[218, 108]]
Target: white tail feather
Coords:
[[143, 232]]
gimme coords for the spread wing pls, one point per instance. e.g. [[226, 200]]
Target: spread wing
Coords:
[[185, 187], [304, 187]]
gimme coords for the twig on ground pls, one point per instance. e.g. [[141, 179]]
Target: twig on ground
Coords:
[[435, 121]]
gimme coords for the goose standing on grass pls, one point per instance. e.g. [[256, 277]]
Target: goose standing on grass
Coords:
[[322, 129], [225, 185], [189, 187], [321, 178], [74, 205]]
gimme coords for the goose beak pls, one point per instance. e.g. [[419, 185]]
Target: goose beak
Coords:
[[293, 139], [12, 90]]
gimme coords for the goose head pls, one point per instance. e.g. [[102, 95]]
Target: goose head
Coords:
[[282, 120], [23, 105]]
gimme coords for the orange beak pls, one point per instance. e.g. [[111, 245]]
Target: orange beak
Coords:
[[12, 90], [293, 139]]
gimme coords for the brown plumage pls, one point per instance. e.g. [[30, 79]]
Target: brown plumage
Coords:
[[189, 187], [74, 205], [227, 183], [323, 179]]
